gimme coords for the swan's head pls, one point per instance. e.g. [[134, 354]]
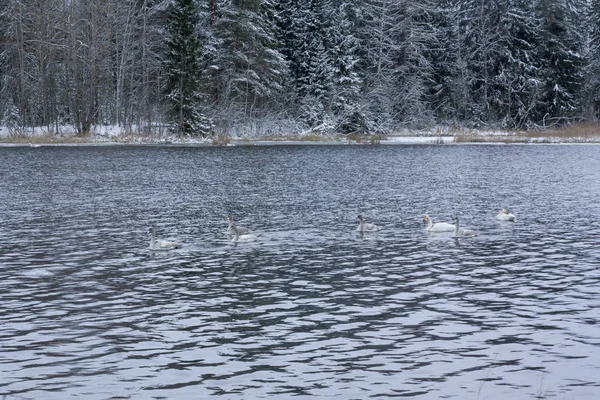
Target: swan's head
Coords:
[[151, 229], [425, 218], [505, 211], [229, 218], [360, 218]]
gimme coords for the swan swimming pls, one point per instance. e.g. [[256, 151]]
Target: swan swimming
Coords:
[[240, 229], [159, 244], [505, 215], [365, 227], [240, 237], [439, 227], [458, 232]]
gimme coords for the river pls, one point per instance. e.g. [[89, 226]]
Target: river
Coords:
[[311, 309]]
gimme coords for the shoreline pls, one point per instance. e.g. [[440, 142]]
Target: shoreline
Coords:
[[112, 136], [246, 142]]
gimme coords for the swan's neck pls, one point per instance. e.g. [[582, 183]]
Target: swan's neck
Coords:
[[230, 224], [361, 225], [429, 222], [456, 228], [236, 234], [152, 240]]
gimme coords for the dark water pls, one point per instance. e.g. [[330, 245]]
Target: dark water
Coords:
[[310, 310]]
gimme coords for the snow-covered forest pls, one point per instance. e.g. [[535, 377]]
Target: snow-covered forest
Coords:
[[273, 66]]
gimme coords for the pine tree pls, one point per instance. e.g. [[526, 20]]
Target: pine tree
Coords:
[[182, 66]]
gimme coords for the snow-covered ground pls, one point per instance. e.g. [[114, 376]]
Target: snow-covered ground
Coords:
[[418, 140], [111, 135], [102, 131]]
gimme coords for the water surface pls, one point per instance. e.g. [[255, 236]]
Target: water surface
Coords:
[[311, 309]]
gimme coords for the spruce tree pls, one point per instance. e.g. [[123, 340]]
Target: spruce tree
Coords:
[[304, 35], [345, 60], [482, 44], [516, 87], [562, 64], [443, 54], [183, 71], [381, 52], [248, 68], [591, 96]]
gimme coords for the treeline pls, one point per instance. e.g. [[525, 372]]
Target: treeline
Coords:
[[273, 66]]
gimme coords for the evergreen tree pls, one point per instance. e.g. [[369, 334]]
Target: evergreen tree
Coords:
[[182, 66], [304, 34], [347, 77], [591, 95], [515, 84], [482, 45], [443, 52], [248, 68], [561, 60], [413, 76], [380, 35]]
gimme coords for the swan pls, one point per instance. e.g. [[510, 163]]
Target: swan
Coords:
[[365, 227], [458, 232], [439, 227], [240, 229], [505, 215], [238, 236], [159, 244], [33, 145]]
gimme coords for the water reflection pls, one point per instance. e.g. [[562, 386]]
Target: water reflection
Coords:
[[312, 308]]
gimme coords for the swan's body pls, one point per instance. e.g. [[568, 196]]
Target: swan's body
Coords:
[[159, 244], [240, 229], [439, 227], [505, 215], [239, 237], [365, 227], [458, 232], [33, 145]]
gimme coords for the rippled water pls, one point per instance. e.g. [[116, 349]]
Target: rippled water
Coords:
[[311, 309]]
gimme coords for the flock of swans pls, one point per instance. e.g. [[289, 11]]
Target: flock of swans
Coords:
[[503, 215], [237, 233]]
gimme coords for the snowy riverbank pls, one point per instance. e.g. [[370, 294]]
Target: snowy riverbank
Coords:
[[110, 135]]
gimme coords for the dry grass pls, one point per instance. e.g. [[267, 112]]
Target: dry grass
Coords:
[[585, 130], [580, 133]]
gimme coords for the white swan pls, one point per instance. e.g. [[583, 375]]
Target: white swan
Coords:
[[240, 237], [458, 232], [240, 229], [365, 227], [159, 244], [439, 227], [505, 215]]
